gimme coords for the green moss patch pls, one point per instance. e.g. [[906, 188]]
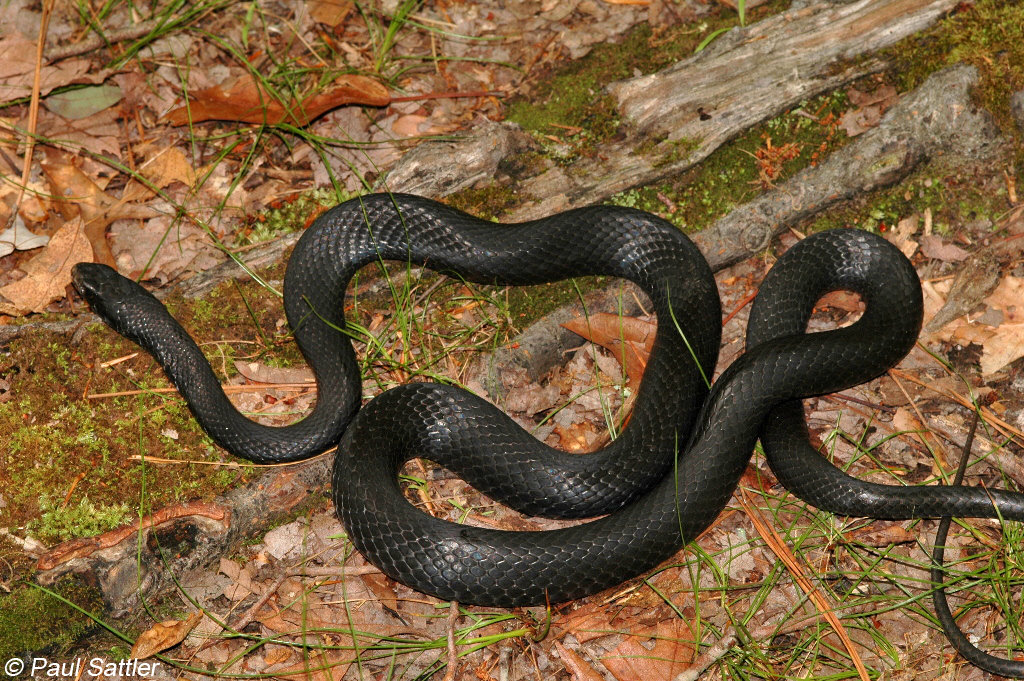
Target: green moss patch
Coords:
[[568, 111], [33, 621], [738, 171]]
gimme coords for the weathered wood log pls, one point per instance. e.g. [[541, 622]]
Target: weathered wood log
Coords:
[[747, 76], [936, 118]]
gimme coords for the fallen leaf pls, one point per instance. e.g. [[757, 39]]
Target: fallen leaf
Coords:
[[77, 195], [330, 12], [19, 237], [321, 666], [100, 133], [163, 635], [869, 109], [841, 300], [246, 100], [241, 585], [585, 624], [628, 338], [932, 246], [900, 236], [276, 655], [381, 587], [1004, 345], [576, 665], [408, 125], [161, 168], [163, 247], [83, 102], [48, 274], [263, 373], [18, 63], [672, 653], [880, 534], [533, 398]]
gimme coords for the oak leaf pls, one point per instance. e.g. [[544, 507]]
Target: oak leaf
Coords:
[[247, 100]]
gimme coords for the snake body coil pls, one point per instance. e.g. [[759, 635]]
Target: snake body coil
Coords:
[[662, 482]]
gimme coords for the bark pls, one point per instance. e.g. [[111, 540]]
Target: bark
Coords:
[[936, 119], [745, 77]]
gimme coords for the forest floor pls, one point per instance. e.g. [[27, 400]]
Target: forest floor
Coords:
[[293, 107]]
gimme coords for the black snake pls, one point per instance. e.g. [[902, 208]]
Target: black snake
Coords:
[[661, 483]]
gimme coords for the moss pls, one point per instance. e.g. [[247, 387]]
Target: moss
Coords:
[[569, 111], [61, 522], [489, 202], [526, 304], [33, 621], [733, 173], [954, 193], [986, 33], [288, 215], [61, 444]]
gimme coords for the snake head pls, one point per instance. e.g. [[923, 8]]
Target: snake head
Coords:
[[114, 298]]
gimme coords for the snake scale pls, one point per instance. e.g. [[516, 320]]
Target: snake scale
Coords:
[[658, 485]]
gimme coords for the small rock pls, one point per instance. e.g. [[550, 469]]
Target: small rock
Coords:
[[1017, 107]]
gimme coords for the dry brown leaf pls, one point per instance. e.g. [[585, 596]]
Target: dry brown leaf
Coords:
[[932, 246], [532, 398], [628, 338], [576, 437], [276, 655], [998, 331], [869, 109], [579, 668], [241, 585], [330, 12], [247, 101], [164, 635], [322, 666], [879, 534], [18, 63], [841, 300], [408, 125], [585, 624], [381, 587], [672, 654], [905, 420], [900, 236], [48, 274], [179, 247], [162, 168], [1005, 346], [77, 194], [100, 133]]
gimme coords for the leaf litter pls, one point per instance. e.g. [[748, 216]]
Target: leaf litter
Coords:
[[331, 599]]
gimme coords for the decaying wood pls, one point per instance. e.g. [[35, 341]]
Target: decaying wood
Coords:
[[745, 77], [937, 118], [128, 561]]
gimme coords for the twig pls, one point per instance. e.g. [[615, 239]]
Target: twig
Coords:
[[96, 42], [448, 95], [453, 653], [33, 109]]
